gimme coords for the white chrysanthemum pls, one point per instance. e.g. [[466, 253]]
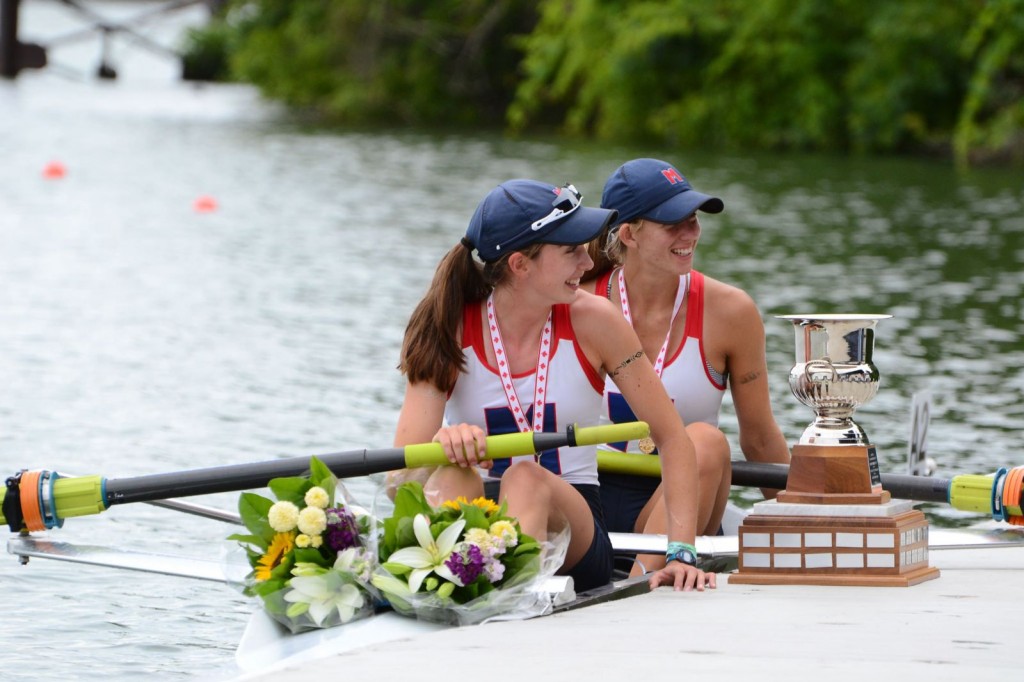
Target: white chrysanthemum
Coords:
[[505, 533], [302, 541], [479, 537], [283, 516], [312, 521], [317, 497]]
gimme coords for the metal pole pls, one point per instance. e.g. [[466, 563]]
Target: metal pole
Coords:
[[9, 38]]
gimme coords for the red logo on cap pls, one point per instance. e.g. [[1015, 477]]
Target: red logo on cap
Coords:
[[673, 176]]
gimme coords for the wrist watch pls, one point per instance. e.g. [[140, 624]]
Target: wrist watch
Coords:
[[685, 555]]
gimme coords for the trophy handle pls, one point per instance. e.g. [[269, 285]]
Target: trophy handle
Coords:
[[824, 363]]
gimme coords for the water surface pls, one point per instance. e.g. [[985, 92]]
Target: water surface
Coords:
[[140, 336]]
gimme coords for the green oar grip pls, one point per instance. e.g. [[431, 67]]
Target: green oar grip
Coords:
[[508, 445], [612, 433], [46, 498], [999, 494], [633, 464], [972, 493], [79, 496], [515, 444]]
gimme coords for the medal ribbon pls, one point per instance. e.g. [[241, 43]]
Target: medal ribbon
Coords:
[[540, 382], [682, 288]]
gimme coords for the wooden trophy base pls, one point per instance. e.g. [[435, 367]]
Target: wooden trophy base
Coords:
[[833, 474], [834, 525], [807, 544]]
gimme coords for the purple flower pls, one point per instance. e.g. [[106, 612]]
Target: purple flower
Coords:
[[494, 570], [466, 562], [342, 531]]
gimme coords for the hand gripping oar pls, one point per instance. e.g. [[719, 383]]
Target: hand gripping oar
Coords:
[[37, 500], [999, 494]]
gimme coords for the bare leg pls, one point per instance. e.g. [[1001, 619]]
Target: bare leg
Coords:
[[715, 469], [543, 502], [715, 472], [449, 482]]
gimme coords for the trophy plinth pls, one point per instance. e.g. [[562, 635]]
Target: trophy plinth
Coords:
[[833, 474], [834, 524]]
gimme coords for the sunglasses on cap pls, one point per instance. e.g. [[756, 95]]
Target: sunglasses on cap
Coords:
[[567, 200]]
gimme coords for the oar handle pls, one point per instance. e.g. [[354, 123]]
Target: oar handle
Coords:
[[37, 500], [999, 494], [515, 444]]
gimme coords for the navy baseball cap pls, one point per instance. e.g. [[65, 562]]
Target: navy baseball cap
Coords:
[[654, 190], [518, 213]]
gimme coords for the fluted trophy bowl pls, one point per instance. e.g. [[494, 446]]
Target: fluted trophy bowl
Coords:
[[834, 374]]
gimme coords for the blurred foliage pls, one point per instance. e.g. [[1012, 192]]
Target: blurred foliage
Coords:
[[387, 61], [863, 76], [991, 118]]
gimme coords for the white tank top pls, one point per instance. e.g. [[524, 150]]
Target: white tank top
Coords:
[[695, 388], [573, 396]]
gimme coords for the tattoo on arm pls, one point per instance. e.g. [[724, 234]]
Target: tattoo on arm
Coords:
[[622, 365], [748, 377]]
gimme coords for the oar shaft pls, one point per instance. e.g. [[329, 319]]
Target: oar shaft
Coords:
[[762, 475], [900, 486], [245, 476], [43, 499]]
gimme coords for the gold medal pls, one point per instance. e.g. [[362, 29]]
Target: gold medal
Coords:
[[646, 445]]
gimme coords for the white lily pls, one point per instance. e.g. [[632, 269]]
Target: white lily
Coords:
[[324, 593], [430, 556]]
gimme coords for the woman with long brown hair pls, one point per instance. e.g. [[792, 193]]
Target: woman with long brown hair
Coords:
[[510, 343]]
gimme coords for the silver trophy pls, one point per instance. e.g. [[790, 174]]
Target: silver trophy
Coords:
[[834, 374]]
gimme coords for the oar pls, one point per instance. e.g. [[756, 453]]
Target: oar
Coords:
[[999, 494], [36, 500]]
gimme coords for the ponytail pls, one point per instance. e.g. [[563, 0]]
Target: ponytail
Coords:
[[432, 348]]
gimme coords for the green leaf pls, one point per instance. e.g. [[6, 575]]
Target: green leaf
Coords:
[[475, 517], [530, 545], [268, 587], [253, 509], [291, 489], [249, 539], [313, 556], [320, 475], [410, 501], [283, 571]]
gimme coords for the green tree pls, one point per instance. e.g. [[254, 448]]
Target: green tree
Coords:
[[387, 61], [867, 76], [991, 121]]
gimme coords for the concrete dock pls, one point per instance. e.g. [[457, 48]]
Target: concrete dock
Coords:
[[964, 625]]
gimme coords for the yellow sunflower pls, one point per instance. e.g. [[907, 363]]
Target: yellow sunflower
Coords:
[[457, 503], [488, 505], [279, 546]]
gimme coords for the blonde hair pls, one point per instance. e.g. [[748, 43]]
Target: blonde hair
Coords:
[[607, 251]]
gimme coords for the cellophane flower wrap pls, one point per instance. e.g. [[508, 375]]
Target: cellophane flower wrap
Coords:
[[312, 553], [463, 563]]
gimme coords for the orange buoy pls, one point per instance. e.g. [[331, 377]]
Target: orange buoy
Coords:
[[204, 204], [55, 170]]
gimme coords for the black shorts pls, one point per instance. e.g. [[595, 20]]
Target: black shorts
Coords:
[[595, 568], [623, 498]]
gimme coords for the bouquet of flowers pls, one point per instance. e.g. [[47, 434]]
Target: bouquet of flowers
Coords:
[[463, 563], [311, 563]]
